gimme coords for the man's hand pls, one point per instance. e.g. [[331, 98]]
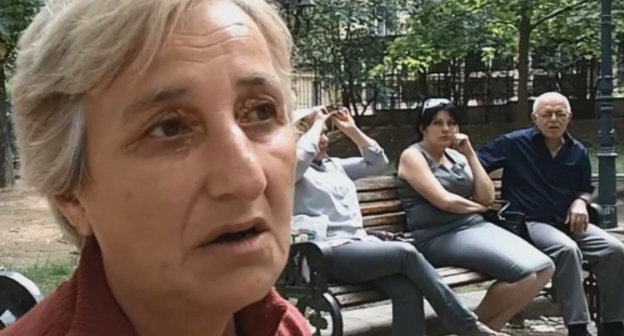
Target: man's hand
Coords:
[[344, 121], [578, 218]]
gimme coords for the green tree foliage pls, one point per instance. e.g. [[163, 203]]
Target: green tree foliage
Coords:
[[15, 15], [344, 41], [564, 32]]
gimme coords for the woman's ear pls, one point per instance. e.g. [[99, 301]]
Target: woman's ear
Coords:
[[75, 213]]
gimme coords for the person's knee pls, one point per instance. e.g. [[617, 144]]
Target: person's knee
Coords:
[[615, 251], [544, 265], [534, 281], [534, 270], [566, 251], [408, 251], [540, 277], [547, 273], [549, 268], [527, 280]]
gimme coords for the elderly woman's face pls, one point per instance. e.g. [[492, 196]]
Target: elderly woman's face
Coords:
[[192, 166]]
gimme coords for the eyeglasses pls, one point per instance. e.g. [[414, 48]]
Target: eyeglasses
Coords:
[[558, 115]]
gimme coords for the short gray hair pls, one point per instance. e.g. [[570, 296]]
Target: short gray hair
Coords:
[[74, 46], [551, 95]]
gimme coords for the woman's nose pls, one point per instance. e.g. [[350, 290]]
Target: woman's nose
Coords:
[[235, 168]]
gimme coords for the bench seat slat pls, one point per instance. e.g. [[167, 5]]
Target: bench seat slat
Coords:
[[389, 228], [356, 299], [346, 289], [451, 273], [353, 295], [452, 270], [466, 279]]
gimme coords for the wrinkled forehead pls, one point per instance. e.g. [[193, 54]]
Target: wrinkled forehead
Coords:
[[204, 32], [552, 105], [201, 38], [215, 21]]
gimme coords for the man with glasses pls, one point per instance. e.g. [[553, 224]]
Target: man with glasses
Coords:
[[547, 176]]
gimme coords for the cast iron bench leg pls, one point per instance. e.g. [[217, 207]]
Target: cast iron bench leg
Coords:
[[325, 303], [592, 292]]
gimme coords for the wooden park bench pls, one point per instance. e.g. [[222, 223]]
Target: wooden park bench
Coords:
[[305, 277]]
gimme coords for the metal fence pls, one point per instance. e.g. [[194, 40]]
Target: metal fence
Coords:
[[483, 91]]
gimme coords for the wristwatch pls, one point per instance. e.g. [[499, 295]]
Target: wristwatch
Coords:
[[584, 199]]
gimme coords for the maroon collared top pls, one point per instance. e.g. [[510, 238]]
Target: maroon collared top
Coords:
[[84, 305]]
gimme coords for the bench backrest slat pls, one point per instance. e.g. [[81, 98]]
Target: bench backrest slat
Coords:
[[394, 218], [377, 195], [372, 208], [375, 183], [380, 204]]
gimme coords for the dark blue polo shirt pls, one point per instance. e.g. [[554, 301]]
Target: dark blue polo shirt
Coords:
[[541, 186]]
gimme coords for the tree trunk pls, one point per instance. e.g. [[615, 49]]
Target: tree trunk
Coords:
[[397, 86], [581, 90], [593, 67], [466, 92], [7, 175], [522, 109], [423, 83]]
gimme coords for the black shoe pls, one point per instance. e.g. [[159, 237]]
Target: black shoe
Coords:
[[612, 329], [586, 333], [578, 330]]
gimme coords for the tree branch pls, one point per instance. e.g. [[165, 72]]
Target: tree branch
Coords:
[[559, 12], [505, 23]]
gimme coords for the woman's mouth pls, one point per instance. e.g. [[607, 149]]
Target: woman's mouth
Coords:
[[238, 239], [236, 236]]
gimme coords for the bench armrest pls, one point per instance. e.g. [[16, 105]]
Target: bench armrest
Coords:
[[595, 212], [306, 267]]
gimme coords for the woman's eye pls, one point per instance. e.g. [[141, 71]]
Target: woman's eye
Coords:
[[169, 128], [259, 113]]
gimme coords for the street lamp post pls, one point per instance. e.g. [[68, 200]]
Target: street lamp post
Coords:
[[607, 153], [293, 11], [316, 87]]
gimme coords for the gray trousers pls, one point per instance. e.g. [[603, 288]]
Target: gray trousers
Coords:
[[605, 255], [404, 275]]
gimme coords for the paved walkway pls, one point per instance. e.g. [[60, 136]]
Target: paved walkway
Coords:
[[544, 326]]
